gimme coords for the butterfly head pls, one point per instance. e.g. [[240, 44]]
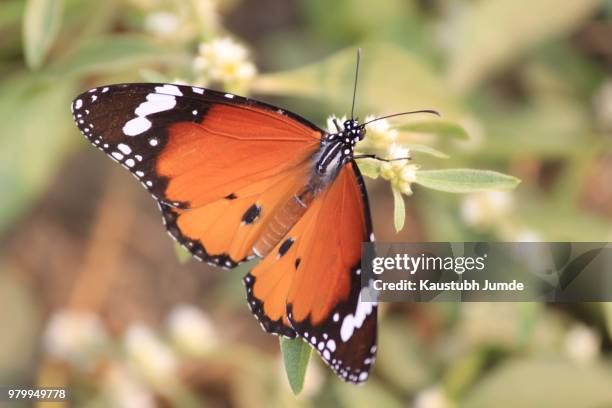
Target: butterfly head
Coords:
[[354, 129]]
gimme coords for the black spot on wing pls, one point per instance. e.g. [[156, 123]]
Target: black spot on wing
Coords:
[[231, 196], [282, 250], [251, 214], [297, 262], [170, 216]]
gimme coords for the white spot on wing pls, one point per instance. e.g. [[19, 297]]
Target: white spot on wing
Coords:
[[117, 155], [197, 90], [169, 89], [155, 103], [78, 104], [125, 149], [354, 321], [229, 96], [136, 126]]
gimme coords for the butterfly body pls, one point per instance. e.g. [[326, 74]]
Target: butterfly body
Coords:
[[237, 179]]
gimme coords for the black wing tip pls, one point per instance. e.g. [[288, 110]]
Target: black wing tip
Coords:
[[318, 337], [347, 374], [275, 327]]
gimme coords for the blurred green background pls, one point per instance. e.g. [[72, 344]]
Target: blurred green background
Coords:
[[93, 296]]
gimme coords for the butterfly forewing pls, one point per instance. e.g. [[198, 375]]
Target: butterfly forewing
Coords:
[[194, 149]]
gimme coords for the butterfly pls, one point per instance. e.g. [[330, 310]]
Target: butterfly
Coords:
[[238, 179]]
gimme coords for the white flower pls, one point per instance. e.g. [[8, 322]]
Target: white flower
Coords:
[[486, 208], [331, 126], [150, 357], [124, 390], [162, 23], [432, 397], [75, 336], [380, 140], [400, 173], [379, 135], [191, 330], [582, 344], [224, 60]]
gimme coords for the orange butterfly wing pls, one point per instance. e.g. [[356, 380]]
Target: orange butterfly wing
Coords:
[[210, 158], [311, 281]]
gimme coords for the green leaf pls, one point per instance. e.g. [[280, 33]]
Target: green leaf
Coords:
[[181, 253], [425, 149], [369, 168], [389, 77], [114, 53], [10, 13], [465, 180], [36, 131], [40, 28], [483, 45], [399, 211], [437, 127], [150, 75], [296, 354]]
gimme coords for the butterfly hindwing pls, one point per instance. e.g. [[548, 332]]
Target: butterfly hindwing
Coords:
[[311, 281], [196, 149]]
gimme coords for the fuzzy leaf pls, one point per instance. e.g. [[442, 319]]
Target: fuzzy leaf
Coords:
[[113, 53], [41, 23], [426, 150], [296, 354], [483, 45], [399, 211], [437, 127], [390, 76], [465, 180]]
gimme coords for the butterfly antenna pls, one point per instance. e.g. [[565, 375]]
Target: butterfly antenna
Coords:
[[355, 86], [433, 112]]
